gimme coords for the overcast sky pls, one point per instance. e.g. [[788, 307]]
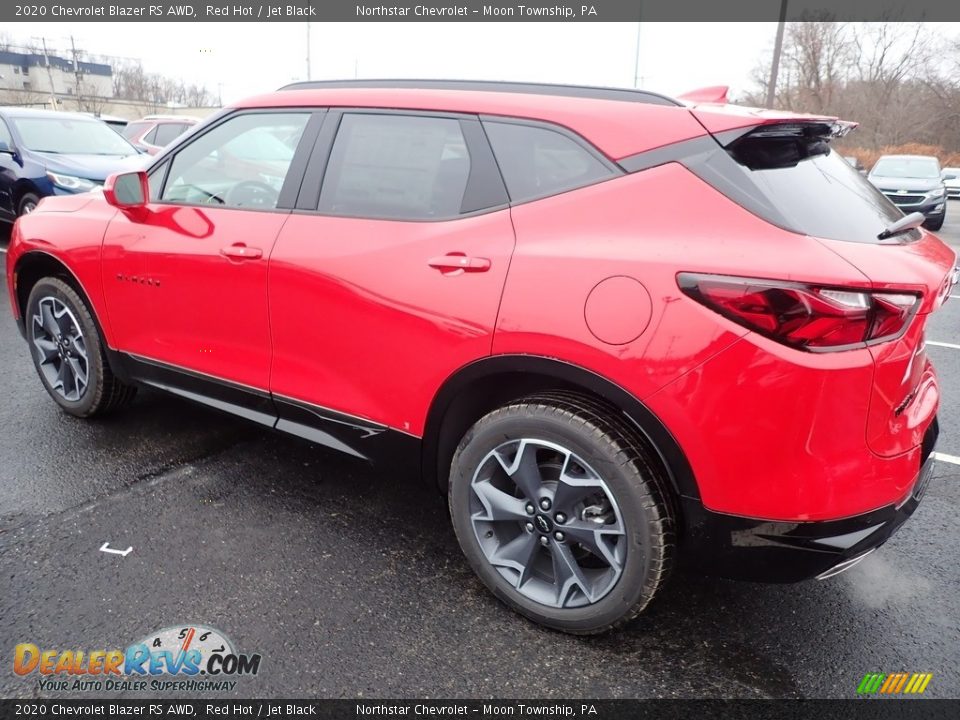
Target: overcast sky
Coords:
[[249, 58]]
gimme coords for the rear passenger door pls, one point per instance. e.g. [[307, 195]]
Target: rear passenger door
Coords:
[[388, 276]]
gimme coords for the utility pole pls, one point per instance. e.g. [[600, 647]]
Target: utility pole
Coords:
[[308, 52], [46, 61], [78, 74], [777, 49]]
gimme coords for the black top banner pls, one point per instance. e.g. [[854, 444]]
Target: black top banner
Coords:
[[477, 10]]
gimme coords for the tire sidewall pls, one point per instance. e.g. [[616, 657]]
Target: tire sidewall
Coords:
[[51, 287], [631, 497], [27, 197]]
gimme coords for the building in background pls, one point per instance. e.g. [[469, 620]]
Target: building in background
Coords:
[[27, 71]]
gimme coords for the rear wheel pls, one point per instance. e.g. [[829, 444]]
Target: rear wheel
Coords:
[[561, 513], [68, 352]]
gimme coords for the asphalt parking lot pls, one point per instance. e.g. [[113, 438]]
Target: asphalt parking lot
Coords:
[[350, 582]]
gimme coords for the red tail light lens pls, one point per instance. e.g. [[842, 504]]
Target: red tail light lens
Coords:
[[807, 317]]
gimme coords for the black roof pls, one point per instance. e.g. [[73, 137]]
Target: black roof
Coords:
[[580, 91]]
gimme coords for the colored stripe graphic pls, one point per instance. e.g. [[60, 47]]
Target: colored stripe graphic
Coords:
[[894, 684]]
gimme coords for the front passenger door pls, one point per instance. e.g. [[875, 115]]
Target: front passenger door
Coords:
[[186, 284]]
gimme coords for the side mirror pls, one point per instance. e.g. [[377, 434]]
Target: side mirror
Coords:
[[127, 191]]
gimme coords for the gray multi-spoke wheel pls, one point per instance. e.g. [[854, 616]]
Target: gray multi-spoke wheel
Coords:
[[562, 512], [547, 521], [60, 347], [68, 352]]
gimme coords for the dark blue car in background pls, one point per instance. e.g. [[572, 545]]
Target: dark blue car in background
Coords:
[[43, 152]]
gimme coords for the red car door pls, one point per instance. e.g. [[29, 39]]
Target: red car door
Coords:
[[186, 282], [391, 280]]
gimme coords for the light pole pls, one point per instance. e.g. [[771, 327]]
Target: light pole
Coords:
[[777, 49], [308, 52], [636, 57]]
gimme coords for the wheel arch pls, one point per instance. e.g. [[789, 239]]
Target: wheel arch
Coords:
[[489, 383], [35, 265]]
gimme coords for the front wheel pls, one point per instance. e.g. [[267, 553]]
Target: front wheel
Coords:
[[68, 352], [561, 513], [935, 223]]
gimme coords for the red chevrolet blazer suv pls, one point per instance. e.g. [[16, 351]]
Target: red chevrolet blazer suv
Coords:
[[621, 333]]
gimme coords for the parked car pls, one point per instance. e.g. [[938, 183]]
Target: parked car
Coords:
[[503, 287], [856, 164], [43, 152], [914, 184], [951, 181], [152, 133]]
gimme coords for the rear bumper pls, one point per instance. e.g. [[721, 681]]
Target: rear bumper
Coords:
[[742, 548]]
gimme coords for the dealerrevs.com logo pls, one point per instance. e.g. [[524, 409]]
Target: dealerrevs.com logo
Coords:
[[191, 658]]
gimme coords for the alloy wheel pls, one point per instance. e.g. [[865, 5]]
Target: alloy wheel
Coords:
[[61, 349], [548, 523]]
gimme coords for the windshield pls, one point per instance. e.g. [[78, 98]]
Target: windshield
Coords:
[[914, 168], [70, 136], [951, 173]]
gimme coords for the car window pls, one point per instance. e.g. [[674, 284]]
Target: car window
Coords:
[[151, 137], [537, 161], [167, 133], [240, 163], [133, 129], [70, 136], [396, 166]]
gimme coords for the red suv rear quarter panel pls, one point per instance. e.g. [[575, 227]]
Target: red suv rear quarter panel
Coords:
[[770, 431]]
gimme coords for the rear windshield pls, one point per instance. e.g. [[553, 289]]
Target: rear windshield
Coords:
[[902, 167], [825, 197], [133, 129], [813, 191]]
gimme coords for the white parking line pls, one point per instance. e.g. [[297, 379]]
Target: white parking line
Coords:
[[943, 457], [946, 345], [3, 250]]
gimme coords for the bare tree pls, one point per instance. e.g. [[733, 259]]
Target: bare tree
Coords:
[[898, 80]]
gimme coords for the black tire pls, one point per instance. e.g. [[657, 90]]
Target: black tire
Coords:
[[935, 223], [590, 431], [27, 203], [103, 392]]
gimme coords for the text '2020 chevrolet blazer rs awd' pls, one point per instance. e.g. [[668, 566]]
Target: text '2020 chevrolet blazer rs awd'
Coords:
[[621, 333]]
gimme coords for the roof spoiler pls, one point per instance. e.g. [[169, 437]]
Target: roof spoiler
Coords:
[[716, 94]]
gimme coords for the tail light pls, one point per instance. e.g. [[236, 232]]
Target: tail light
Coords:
[[807, 317]]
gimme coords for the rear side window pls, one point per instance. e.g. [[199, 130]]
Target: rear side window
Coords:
[[151, 137], [167, 133], [396, 166], [537, 162]]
